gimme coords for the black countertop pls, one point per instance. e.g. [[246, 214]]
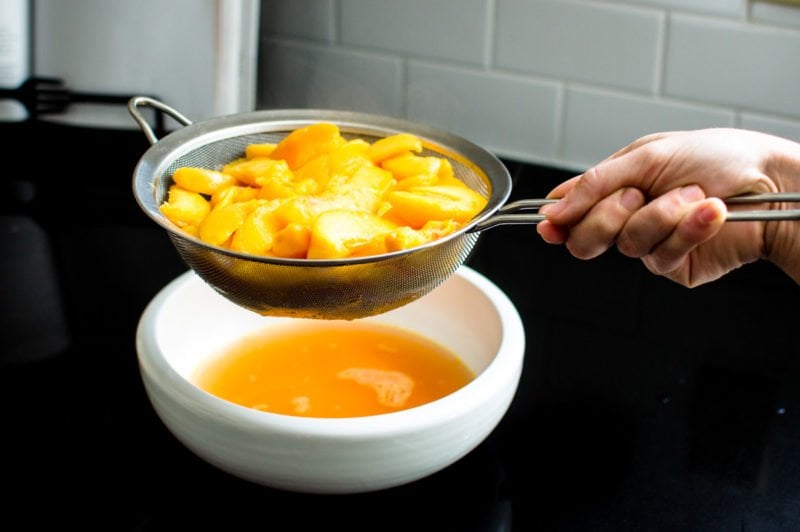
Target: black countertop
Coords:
[[642, 406]]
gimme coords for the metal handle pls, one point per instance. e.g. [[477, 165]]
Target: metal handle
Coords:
[[508, 214], [139, 101], [743, 216]]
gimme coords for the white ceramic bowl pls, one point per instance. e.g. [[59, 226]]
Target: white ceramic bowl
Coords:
[[187, 322]]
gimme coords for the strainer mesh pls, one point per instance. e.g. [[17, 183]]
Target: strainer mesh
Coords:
[[336, 289]]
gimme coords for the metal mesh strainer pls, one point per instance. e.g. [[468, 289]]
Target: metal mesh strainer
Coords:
[[324, 289]]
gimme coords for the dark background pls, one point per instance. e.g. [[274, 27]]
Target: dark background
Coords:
[[643, 405]]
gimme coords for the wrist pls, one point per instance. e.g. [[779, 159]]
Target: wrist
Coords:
[[782, 238]]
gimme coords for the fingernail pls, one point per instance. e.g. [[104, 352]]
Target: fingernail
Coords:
[[631, 199], [707, 214], [692, 193], [553, 208]]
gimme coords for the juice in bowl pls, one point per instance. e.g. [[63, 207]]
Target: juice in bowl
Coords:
[[348, 411], [334, 369]]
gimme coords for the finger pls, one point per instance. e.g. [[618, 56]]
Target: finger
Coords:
[[654, 222], [588, 190], [637, 168], [563, 188], [641, 141], [701, 223], [599, 229], [551, 233]]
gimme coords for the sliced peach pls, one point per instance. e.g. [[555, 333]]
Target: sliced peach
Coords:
[[363, 191], [404, 238], [202, 180], [304, 144], [393, 145], [256, 171], [232, 194], [407, 164], [264, 149], [316, 169], [340, 233], [184, 208], [257, 232], [292, 241], [223, 221], [417, 205], [349, 157]]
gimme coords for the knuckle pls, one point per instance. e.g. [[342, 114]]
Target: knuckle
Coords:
[[629, 247], [582, 251]]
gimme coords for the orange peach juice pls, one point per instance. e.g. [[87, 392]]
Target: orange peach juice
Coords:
[[334, 369]]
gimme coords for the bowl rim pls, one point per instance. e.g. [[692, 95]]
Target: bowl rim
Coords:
[[502, 372]]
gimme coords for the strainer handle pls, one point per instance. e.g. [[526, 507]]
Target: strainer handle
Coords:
[[139, 101], [510, 213]]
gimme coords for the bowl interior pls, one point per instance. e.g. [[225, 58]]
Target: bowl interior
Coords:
[[463, 314]]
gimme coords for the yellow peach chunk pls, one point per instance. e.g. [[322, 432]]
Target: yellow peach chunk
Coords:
[[445, 171], [223, 221], [349, 157], [404, 237], [392, 146], [408, 165], [259, 150], [278, 188], [316, 169], [232, 194], [341, 233], [192, 230], [419, 180], [255, 172], [304, 144], [341, 162], [302, 210], [435, 229], [257, 233], [292, 241], [184, 208], [202, 180], [417, 205], [363, 191]]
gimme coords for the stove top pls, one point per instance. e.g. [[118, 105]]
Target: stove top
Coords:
[[642, 406]]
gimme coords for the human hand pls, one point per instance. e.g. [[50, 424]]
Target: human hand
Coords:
[[658, 199]]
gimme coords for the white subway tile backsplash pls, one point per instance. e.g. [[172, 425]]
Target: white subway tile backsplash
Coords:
[[727, 8], [599, 123], [784, 15], [789, 129], [728, 63], [559, 82], [311, 19], [439, 29], [589, 42], [509, 115], [308, 76]]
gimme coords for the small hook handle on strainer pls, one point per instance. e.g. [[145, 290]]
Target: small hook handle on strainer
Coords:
[[139, 101]]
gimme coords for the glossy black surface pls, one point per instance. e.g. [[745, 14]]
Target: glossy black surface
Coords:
[[643, 405]]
